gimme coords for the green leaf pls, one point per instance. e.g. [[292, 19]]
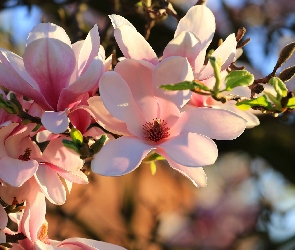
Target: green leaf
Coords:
[[153, 167], [70, 145], [279, 86], [238, 78], [184, 86], [96, 147], [274, 99], [260, 101], [76, 136], [291, 103]]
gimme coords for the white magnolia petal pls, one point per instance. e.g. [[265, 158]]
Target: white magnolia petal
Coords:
[[120, 156], [192, 150]]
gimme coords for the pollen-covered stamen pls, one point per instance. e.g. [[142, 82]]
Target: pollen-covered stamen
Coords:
[[26, 155], [156, 130]]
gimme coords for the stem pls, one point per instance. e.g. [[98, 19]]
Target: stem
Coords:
[[216, 64]]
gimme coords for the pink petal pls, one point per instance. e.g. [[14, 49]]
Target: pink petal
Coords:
[[196, 175], [39, 245], [121, 103], [76, 49], [4, 132], [215, 123], [3, 218], [89, 50], [252, 120], [172, 70], [76, 176], [81, 119], [226, 51], [82, 85], [131, 43], [14, 145], [92, 244], [15, 172], [104, 118], [186, 44], [45, 135], [55, 122], [199, 20], [140, 85], [50, 185], [56, 153], [120, 156], [48, 30], [14, 82], [50, 62], [34, 214], [16, 63], [192, 150]]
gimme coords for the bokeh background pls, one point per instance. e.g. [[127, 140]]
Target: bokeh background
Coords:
[[249, 202]]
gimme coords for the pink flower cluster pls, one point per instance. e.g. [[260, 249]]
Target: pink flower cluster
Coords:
[[59, 81]]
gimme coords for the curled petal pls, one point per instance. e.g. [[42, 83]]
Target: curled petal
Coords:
[[131, 43], [226, 51], [55, 122], [120, 156], [89, 50], [191, 150], [199, 20]]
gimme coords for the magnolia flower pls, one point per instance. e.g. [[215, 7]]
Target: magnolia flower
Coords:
[[54, 73], [149, 119], [21, 159], [192, 37]]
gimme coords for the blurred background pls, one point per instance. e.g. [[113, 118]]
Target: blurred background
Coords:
[[249, 202]]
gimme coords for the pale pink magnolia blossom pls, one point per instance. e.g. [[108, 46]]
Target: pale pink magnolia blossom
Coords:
[[192, 37], [150, 121], [21, 159], [53, 72]]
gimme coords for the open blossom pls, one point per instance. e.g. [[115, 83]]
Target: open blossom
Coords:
[[53, 72], [21, 159], [149, 119], [192, 37]]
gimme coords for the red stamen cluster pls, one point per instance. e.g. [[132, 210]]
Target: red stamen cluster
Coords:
[[156, 130], [26, 155]]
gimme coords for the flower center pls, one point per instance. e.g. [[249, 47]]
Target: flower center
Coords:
[[26, 155], [156, 130]]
